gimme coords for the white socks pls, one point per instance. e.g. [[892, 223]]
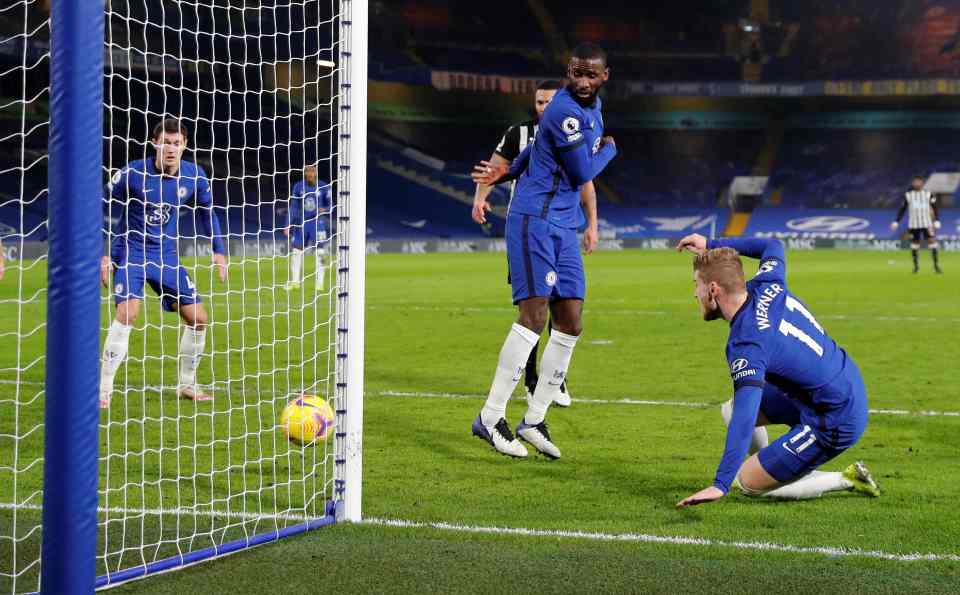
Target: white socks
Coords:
[[513, 359], [814, 485], [759, 440], [191, 348], [296, 265], [553, 369], [114, 352]]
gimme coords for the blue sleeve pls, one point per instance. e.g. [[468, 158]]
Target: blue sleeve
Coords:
[[746, 404], [293, 209], [519, 164], [763, 249], [325, 203], [116, 193], [562, 128], [773, 259], [208, 220]]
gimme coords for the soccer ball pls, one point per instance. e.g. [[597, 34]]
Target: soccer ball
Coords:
[[306, 420]]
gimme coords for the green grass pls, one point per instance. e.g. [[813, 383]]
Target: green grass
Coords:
[[434, 326]]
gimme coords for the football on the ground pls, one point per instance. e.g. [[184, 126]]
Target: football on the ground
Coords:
[[306, 420]]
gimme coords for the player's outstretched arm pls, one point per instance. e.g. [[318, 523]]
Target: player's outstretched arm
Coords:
[[903, 209], [746, 404], [760, 248], [489, 173], [210, 224], [936, 213], [480, 205]]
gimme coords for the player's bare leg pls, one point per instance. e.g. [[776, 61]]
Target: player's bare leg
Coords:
[[115, 347], [915, 254], [191, 350], [566, 315], [760, 439], [491, 425], [756, 482]]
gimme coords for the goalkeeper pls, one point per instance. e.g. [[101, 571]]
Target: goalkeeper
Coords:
[[152, 193]]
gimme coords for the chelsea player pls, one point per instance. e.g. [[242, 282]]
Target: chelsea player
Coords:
[[786, 370], [546, 268], [152, 193], [309, 205]]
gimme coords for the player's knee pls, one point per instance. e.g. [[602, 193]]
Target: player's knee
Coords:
[[127, 312], [574, 329], [746, 489], [535, 321], [914, 246], [726, 412], [196, 317]]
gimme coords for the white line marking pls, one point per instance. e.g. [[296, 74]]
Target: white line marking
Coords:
[[588, 401], [671, 540], [227, 514], [596, 311], [628, 401]]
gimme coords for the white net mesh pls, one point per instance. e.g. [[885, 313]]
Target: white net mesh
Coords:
[[254, 83], [24, 100]]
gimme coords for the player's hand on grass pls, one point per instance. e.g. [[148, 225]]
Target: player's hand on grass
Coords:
[[894, 225], [220, 261], [105, 267], [590, 239], [704, 496], [694, 242], [488, 173], [480, 209]]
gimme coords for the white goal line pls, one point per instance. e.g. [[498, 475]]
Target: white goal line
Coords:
[[225, 385], [668, 540], [133, 512], [833, 551], [644, 402]]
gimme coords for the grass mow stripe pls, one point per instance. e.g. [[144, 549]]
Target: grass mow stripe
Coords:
[[667, 540], [688, 404], [224, 514]]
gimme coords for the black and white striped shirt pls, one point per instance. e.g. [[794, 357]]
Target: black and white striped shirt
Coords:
[[514, 141], [920, 205]]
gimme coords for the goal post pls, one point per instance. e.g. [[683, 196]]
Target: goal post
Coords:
[[93, 497], [73, 305], [353, 145]]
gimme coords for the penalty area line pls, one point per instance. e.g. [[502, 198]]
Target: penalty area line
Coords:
[[829, 551]]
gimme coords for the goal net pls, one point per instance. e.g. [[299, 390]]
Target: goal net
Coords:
[[261, 93]]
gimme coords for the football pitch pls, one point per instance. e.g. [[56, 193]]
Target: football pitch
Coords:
[[445, 513]]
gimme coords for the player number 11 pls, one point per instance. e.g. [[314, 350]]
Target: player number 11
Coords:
[[789, 330]]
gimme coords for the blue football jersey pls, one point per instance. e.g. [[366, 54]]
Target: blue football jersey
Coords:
[[776, 338], [307, 202], [565, 154], [150, 207]]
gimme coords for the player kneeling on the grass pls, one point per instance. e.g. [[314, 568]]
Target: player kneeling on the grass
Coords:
[[785, 370], [144, 250], [543, 251]]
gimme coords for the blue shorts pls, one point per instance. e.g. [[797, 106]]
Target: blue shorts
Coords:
[[309, 235], [812, 439], [544, 259], [170, 281]]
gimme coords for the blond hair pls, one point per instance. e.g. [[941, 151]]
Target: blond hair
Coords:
[[723, 266]]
